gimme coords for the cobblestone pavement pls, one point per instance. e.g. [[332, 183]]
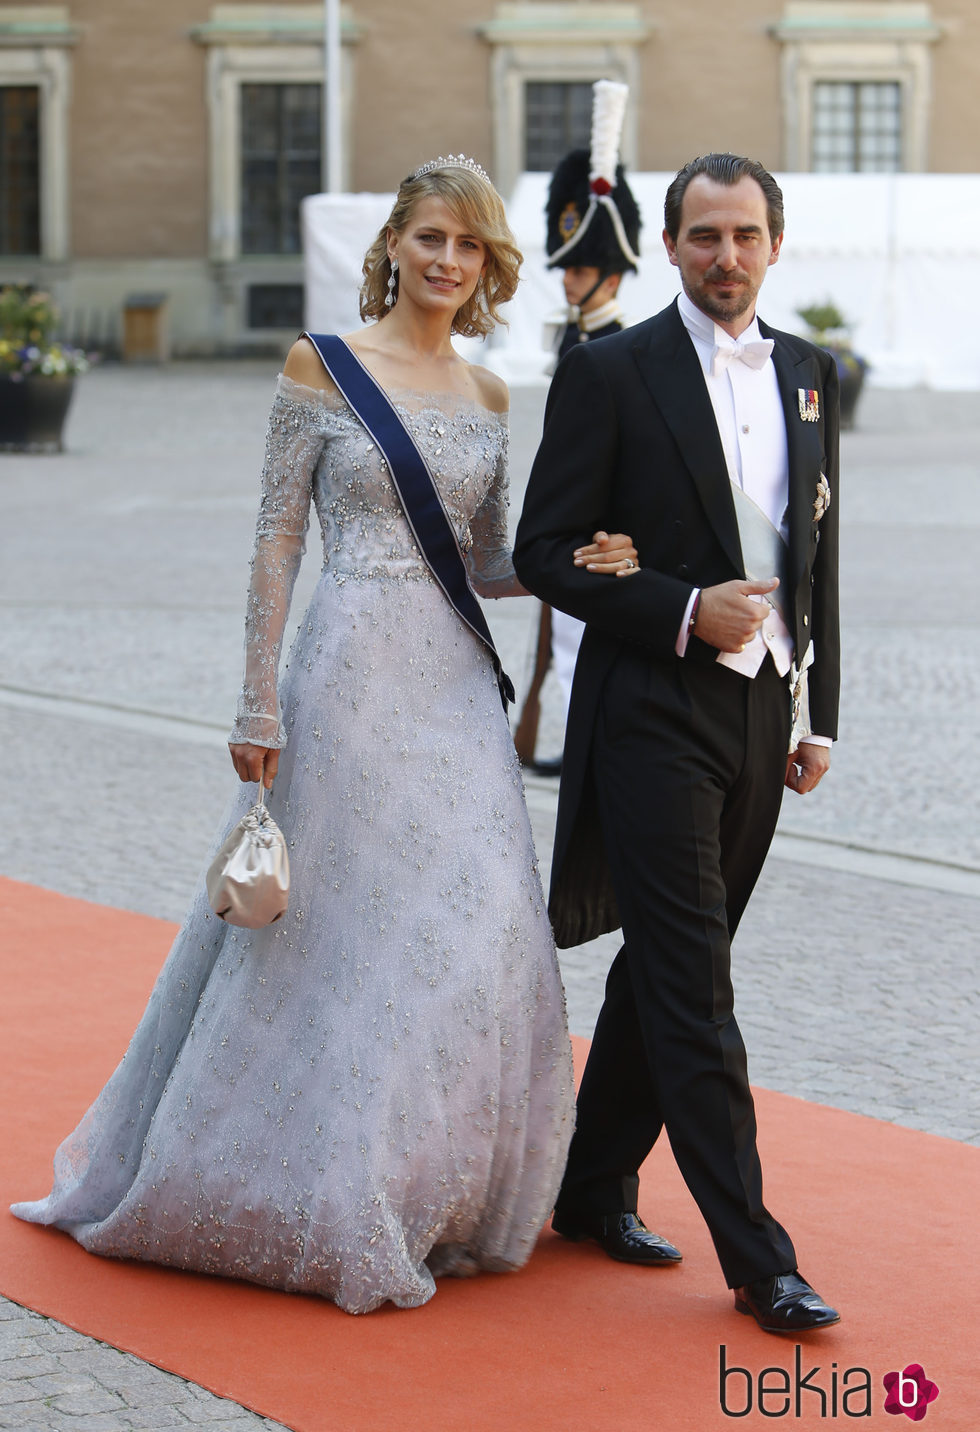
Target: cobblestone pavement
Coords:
[[121, 588], [55, 1380]]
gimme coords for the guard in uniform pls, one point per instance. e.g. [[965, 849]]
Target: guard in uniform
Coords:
[[593, 227], [593, 236]]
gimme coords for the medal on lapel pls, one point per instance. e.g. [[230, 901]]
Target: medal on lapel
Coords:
[[809, 404]]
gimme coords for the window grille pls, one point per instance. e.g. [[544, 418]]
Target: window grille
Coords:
[[557, 118], [857, 127], [281, 128], [20, 169], [275, 305]]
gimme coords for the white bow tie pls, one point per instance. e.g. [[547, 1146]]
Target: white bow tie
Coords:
[[755, 354]]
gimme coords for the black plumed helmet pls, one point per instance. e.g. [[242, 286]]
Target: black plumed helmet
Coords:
[[598, 245]]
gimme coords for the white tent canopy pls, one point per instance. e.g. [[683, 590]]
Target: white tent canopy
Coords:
[[889, 250]]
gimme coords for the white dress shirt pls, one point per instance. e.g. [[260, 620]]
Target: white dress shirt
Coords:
[[752, 426]]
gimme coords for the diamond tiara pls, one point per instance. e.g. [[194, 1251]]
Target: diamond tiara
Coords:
[[453, 161]]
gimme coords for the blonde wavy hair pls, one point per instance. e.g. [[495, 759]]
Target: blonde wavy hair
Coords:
[[474, 203]]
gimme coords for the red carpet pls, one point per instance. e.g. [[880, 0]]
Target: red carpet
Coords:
[[884, 1220]]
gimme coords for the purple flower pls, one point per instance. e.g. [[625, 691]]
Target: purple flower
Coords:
[[909, 1392]]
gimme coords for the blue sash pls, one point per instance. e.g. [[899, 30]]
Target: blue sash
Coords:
[[413, 482]]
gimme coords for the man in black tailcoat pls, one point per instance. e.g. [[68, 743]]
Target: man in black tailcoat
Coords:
[[705, 683]]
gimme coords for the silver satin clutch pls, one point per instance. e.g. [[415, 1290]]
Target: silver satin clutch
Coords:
[[248, 880]]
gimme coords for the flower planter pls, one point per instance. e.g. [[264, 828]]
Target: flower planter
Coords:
[[33, 411], [828, 329], [37, 372], [851, 383]]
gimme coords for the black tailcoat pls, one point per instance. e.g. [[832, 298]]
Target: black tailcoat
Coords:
[[631, 445]]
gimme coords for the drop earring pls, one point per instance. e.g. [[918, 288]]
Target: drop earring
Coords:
[[392, 282]]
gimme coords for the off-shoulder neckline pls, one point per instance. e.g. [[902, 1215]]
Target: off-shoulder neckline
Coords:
[[399, 398]]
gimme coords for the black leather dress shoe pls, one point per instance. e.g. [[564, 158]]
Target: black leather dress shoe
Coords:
[[785, 1304], [547, 768], [622, 1235]]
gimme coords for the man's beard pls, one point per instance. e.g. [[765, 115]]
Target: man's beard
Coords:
[[719, 308]]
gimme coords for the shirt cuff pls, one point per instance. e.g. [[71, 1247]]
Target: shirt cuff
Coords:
[[816, 741], [683, 636]]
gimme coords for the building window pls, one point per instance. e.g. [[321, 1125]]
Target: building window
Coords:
[[856, 82], [857, 128], [557, 118], [264, 89], [280, 129], [544, 59], [35, 87], [20, 174], [275, 305]]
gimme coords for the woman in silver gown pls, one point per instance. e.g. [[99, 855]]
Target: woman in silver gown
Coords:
[[376, 1090]]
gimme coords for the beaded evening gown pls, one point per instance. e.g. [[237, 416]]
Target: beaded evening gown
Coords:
[[377, 1089]]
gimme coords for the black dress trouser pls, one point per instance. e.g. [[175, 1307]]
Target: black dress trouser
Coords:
[[688, 764]]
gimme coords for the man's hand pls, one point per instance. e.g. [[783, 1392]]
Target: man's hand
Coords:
[[729, 616], [613, 554], [806, 767]]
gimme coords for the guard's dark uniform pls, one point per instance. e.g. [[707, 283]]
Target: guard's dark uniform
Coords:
[[574, 335]]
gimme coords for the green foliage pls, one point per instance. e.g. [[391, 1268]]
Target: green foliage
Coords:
[[26, 315], [828, 329], [822, 318]]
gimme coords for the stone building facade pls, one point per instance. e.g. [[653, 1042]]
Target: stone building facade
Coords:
[[162, 149]]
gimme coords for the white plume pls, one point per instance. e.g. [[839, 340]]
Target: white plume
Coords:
[[608, 110]]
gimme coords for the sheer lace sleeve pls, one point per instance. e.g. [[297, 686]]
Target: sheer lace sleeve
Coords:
[[293, 444], [488, 561]]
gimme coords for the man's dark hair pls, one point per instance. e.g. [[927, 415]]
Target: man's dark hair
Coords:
[[723, 169]]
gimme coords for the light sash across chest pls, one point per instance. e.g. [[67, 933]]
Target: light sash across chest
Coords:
[[765, 554], [764, 551]]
